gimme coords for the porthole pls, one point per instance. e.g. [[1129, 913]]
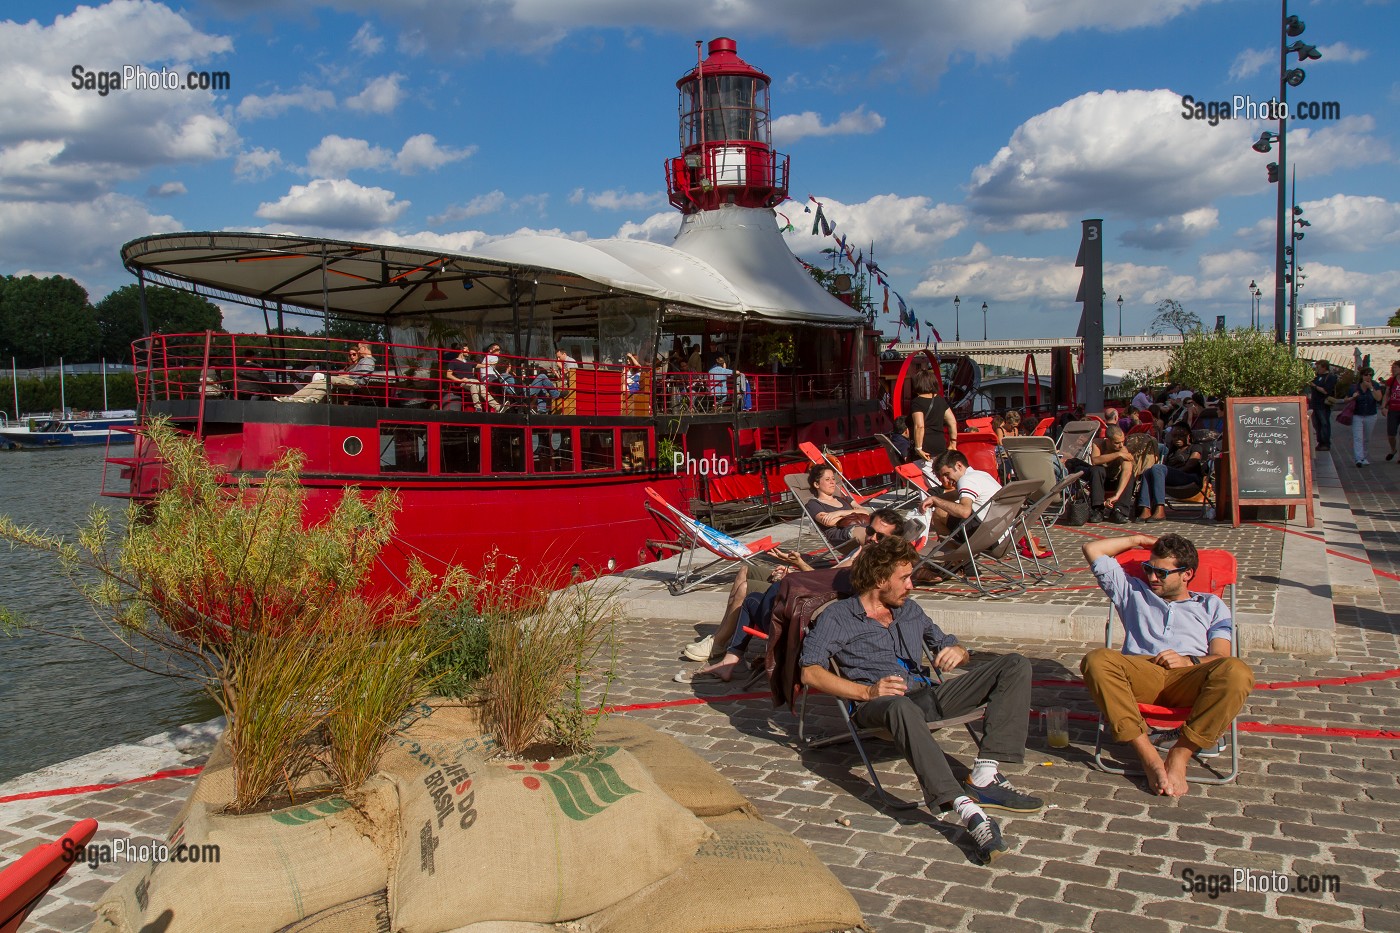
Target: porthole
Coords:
[[352, 446]]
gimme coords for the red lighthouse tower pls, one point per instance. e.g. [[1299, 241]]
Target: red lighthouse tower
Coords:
[[727, 156]]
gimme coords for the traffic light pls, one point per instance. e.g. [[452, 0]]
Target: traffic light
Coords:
[[1273, 172]]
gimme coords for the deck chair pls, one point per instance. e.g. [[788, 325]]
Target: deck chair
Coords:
[[818, 457], [1043, 428], [912, 474], [1217, 574], [24, 883], [846, 709], [1075, 439], [797, 485], [989, 547], [1040, 514], [896, 458], [689, 537]]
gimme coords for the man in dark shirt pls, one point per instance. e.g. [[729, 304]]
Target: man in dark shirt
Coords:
[[1319, 391], [900, 438], [877, 638]]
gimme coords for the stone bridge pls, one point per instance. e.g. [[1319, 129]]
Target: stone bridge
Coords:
[[1152, 352]]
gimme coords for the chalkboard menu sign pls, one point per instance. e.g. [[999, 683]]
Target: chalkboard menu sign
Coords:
[[1270, 453]]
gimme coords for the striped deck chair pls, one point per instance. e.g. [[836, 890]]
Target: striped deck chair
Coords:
[[689, 538]]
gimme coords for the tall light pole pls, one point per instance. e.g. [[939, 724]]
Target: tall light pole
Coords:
[[984, 322], [1253, 290], [1120, 315], [1291, 26], [957, 326]]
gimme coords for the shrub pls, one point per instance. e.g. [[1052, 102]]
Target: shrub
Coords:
[[1238, 363]]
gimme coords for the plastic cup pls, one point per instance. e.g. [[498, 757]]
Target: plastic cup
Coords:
[[1057, 727]]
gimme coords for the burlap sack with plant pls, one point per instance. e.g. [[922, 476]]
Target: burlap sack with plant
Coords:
[[539, 842], [686, 778], [274, 868], [751, 876], [368, 914]]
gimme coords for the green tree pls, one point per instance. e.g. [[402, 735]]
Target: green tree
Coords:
[[171, 311], [1394, 319], [1171, 316], [1238, 363], [44, 319]]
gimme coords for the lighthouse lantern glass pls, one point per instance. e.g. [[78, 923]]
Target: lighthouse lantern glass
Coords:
[[736, 109]]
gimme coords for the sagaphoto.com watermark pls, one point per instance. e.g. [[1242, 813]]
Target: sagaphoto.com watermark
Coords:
[[1244, 107], [140, 78], [133, 851], [1248, 880]]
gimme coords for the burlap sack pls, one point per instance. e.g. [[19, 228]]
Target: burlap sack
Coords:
[[751, 876], [273, 868], [686, 778], [369, 914], [506, 926], [536, 842]]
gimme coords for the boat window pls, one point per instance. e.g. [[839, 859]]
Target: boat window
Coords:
[[552, 451], [508, 450], [597, 450], [635, 456], [459, 449], [403, 448]]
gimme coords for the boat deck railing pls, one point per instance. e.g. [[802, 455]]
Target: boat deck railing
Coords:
[[213, 366]]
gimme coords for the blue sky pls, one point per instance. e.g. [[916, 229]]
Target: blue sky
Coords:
[[966, 141]]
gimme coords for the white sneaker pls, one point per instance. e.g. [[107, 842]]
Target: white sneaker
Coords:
[[700, 650]]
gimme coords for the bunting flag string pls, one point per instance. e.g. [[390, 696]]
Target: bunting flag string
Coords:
[[857, 259], [787, 226]]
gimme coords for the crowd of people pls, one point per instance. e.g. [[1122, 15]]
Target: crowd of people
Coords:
[[880, 651]]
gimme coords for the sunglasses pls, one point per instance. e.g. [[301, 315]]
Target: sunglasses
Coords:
[[1161, 573]]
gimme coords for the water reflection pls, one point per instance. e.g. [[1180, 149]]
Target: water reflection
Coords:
[[60, 699]]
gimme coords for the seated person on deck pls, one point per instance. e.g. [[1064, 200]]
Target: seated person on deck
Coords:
[[967, 503], [838, 517], [361, 365]]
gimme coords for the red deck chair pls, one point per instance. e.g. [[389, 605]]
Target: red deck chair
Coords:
[[980, 449], [24, 883], [689, 537], [817, 457], [1217, 575], [1042, 429]]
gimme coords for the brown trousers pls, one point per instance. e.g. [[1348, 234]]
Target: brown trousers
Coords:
[[1214, 690]]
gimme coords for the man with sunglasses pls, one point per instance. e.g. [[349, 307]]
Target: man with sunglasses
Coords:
[[1176, 652]]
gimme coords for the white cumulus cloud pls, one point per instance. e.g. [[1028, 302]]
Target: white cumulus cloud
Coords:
[[381, 95], [334, 204], [895, 224], [367, 41], [255, 107], [1252, 61], [488, 203], [256, 163], [169, 189], [423, 152], [789, 128], [338, 156]]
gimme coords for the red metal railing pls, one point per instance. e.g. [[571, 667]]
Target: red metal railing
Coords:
[[213, 366]]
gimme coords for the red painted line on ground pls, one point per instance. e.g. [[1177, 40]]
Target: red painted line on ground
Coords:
[[1278, 685], [1285, 729], [1287, 531], [1334, 553], [91, 788]]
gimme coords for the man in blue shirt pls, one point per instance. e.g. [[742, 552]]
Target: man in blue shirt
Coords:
[[719, 380], [877, 638], [1176, 652]]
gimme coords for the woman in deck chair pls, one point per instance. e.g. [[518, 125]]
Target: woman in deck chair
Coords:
[[1181, 468], [838, 517]]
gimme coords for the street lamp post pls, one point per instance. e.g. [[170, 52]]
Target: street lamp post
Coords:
[[984, 322], [1291, 26], [1253, 305], [957, 326], [1120, 315]]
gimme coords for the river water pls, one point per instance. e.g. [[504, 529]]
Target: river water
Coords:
[[61, 699]]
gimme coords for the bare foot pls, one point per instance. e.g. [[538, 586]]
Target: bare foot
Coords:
[[1177, 759], [1158, 781], [722, 669]]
